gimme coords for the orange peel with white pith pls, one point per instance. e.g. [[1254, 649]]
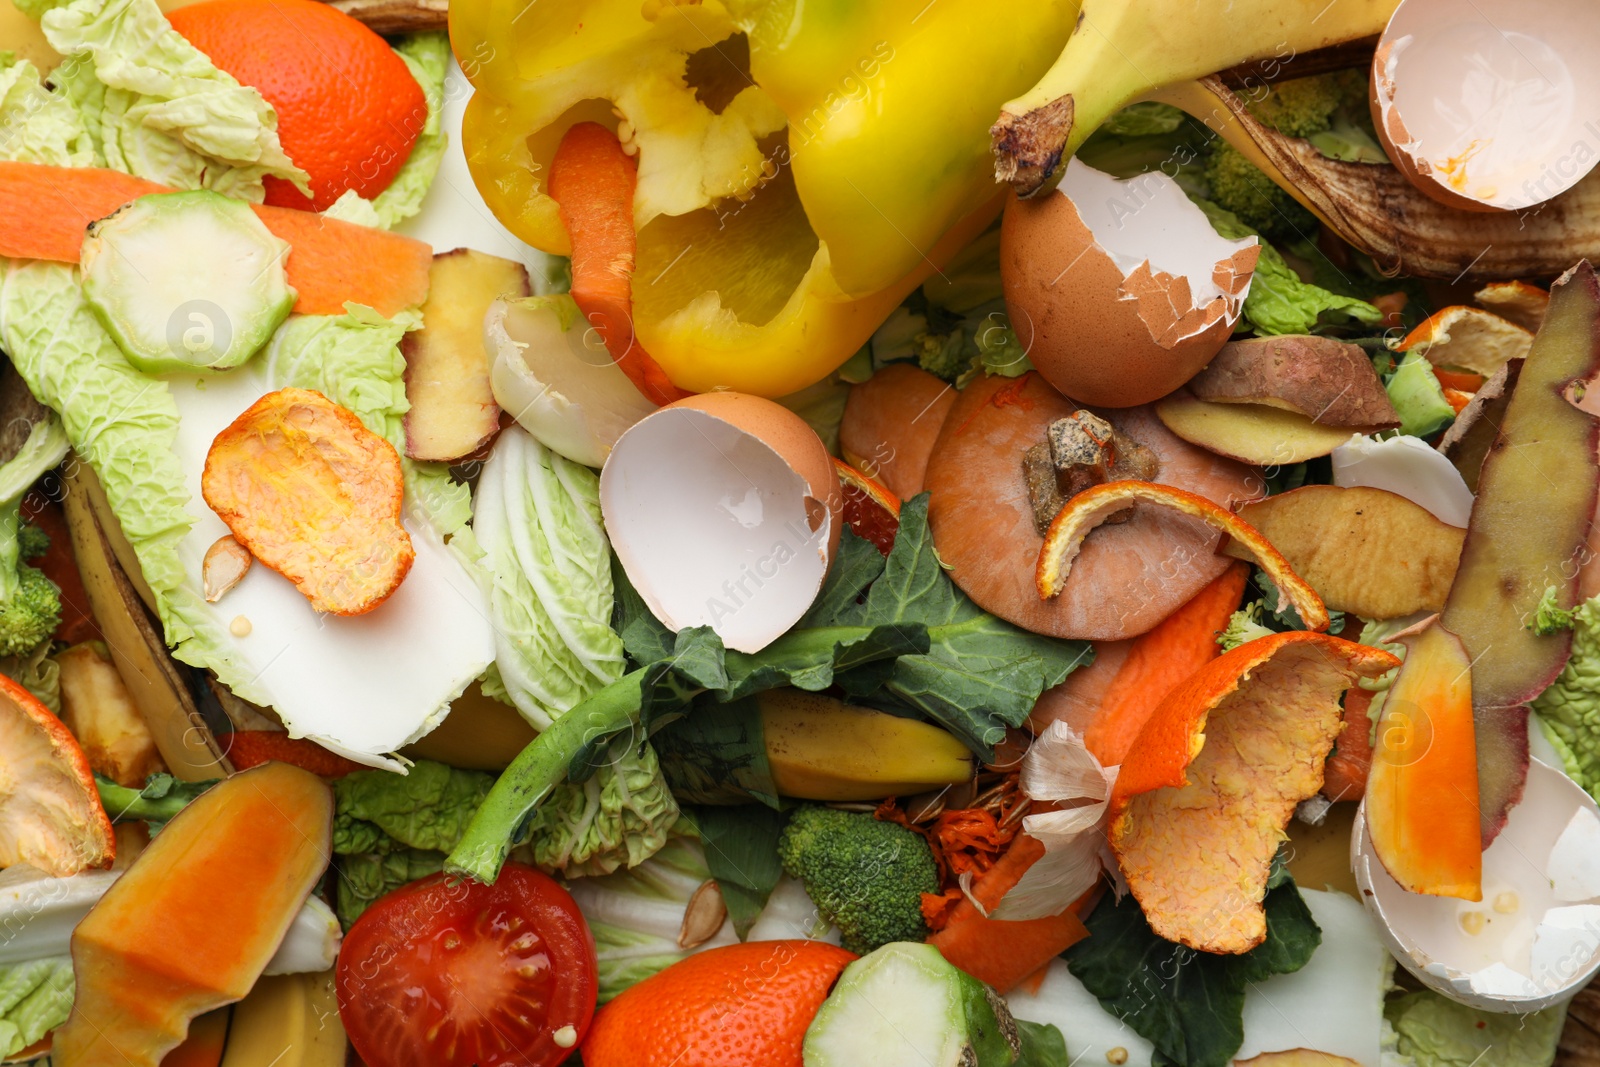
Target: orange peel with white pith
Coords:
[[1201, 802], [316, 496], [1088, 509]]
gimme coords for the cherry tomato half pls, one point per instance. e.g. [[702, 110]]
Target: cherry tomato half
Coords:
[[452, 973]]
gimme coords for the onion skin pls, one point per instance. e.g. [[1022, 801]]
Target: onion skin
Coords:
[[1128, 577], [891, 421]]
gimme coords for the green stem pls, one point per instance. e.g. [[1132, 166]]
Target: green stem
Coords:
[[539, 768]]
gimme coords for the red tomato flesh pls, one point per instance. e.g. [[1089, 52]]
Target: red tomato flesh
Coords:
[[452, 973]]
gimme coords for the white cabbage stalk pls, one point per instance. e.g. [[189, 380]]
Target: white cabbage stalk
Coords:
[[1060, 769]]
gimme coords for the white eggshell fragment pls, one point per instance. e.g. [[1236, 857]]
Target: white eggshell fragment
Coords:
[[1120, 290], [555, 377], [1483, 953], [724, 510], [1407, 467], [1563, 943], [1492, 105], [1574, 865]]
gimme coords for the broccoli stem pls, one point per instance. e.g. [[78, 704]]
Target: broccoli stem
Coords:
[[123, 803], [539, 768]]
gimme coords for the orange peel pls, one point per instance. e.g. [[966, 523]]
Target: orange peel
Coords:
[[316, 496], [870, 509], [1200, 805], [1468, 337], [50, 815], [1095, 505]]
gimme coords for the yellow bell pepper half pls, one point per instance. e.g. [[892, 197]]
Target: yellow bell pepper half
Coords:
[[802, 167]]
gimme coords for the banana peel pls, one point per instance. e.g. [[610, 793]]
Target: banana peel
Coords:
[[1121, 52], [1377, 210], [287, 1020], [185, 741]]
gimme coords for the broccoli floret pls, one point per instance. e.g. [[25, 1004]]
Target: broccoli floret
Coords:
[[1244, 626], [1307, 106], [32, 542], [865, 876], [1237, 185], [31, 615], [1550, 617]]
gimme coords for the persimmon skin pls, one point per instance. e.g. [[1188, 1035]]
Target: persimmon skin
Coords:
[[1128, 576]]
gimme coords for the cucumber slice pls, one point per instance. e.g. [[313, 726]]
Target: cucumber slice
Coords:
[[186, 281], [906, 1006]]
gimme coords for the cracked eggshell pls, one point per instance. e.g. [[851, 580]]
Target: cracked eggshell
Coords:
[[1484, 953], [1493, 105], [1120, 290], [725, 512]]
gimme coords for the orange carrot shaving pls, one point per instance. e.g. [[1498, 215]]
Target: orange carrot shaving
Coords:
[[1345, 775], [1464, 380], [1000, 952], [592, 182], [251, 748], [45, 210], [1158, 661]]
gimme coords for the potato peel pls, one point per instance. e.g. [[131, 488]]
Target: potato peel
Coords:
[[1200, 804], [1094, 506], [316, 496]]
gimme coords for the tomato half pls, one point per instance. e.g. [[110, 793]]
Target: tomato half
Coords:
[[451, 973]]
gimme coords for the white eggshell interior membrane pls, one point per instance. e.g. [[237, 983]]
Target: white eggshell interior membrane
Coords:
[[1488, 953], [1500, 98], [1148, 218], [713, 527]]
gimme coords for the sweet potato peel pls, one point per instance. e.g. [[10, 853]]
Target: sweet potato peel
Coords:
[[1201, 803], [1094, 506], [316, 496]]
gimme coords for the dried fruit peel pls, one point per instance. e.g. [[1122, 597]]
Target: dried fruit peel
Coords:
[[1200, 806], [316, 496], [1422, 791], [1094, 506], [50, 816]]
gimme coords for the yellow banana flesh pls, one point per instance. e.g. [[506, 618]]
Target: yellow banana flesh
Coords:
[[819, 748], [287, 1020]]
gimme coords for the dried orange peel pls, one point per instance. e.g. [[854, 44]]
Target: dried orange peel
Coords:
[[1095, 505], [50, 814], [1200, 805], [316, 496]]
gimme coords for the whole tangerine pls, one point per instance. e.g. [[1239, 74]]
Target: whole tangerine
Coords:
[[348, 108]]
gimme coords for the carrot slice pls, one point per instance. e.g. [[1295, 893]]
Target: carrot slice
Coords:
[[592, 181], [252, 748], [1344, 776], [1465, 381], [44, 211], [1158, 661], [1001, 952], [1095, 505]]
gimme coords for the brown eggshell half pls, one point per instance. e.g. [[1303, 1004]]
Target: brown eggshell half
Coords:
[[1099, 337], [716, 507], [1128, 577], [891, 421]]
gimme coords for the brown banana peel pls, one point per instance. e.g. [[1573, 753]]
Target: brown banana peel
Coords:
[[1377, 210]]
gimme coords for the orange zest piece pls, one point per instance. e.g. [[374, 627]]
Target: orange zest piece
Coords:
[[1460, 380], [1095, 505], [1199, 807], [45, 210], [869, 508], [1422, 791], [592, 181], [1157, 661], [316, 496]]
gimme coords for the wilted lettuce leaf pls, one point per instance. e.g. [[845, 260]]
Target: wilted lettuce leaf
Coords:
[[156, 107], [38, 126], [365, 877], [1189, 1004], [427, 809], [1437, 1032], [35, 998]]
